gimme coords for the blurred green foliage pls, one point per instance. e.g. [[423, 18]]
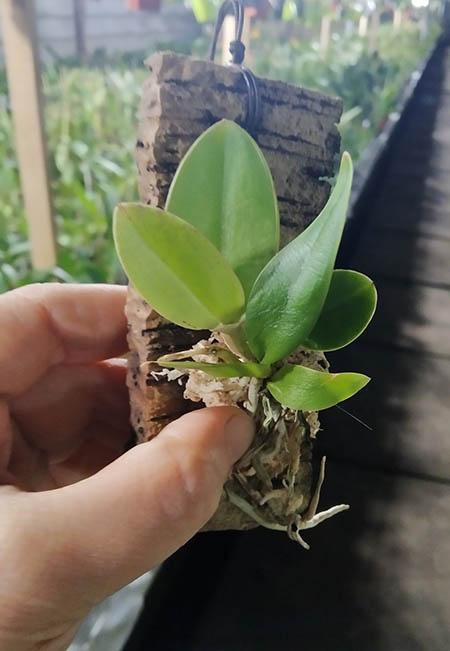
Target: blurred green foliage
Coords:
[[91, 122], [91, 117], [368, 83]]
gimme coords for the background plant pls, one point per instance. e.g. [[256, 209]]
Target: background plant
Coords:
[[368, 82], [91, 115]]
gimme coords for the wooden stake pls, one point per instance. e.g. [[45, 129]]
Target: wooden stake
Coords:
[[363, 23], [80, 36], [374, 30], [325, 35], [22, 62], [398, 19], [424, 24]]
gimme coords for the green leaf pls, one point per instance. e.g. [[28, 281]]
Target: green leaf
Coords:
[[298, 387], [290, 292], [348, 309], [232, 369], [224, 188], [175, 268]]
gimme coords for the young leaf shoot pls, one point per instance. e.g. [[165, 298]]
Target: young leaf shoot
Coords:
[[234, 369], [289, 294]]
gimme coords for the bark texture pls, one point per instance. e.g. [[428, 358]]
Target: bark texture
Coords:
[[298, 136]]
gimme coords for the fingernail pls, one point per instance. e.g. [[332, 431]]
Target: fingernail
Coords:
[[239, 432]]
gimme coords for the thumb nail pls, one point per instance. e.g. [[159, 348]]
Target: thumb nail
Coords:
[[239, 432]]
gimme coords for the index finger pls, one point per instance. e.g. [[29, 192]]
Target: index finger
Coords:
[[48, 324]]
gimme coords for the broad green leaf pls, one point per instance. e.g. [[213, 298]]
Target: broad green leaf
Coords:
[[298, 387], [290, 292], [175, 268], [224, 188], [232, 369], [348, 309]]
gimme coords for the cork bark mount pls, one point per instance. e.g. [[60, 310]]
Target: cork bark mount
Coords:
[[272, 484]]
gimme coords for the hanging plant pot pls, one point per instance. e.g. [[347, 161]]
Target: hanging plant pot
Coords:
[[144, 5]]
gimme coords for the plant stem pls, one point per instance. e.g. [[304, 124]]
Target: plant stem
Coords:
[[235, 339]]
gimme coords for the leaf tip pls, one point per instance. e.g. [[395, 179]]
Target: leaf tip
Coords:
[[122, 210], [347, 162], [364, 379]]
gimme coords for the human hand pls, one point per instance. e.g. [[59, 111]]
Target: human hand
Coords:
[[79, 520]]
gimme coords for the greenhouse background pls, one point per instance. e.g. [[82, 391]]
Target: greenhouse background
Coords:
[[92, 78]]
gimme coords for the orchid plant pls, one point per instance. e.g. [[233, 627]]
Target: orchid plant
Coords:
[[211, 261]]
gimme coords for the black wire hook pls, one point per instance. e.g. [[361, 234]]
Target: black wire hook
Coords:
[[237, 51]]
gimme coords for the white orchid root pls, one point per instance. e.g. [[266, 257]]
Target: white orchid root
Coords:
[[271, 485]]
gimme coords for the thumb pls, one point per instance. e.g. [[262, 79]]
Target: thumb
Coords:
[[103, 532]]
